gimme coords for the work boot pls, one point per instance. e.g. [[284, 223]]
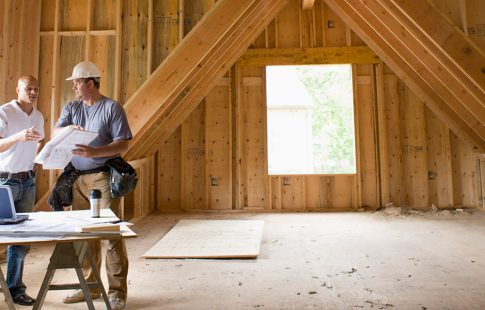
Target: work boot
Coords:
[[116, 303], [78, 296]]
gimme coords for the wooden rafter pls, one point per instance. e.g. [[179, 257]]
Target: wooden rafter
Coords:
[[175, 88], [443, 84], [455, 44]]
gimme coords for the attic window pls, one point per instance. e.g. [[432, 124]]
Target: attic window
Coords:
[[310, 120]]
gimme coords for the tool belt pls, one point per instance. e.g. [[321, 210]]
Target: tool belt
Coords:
[[123, 178], [95, 170]]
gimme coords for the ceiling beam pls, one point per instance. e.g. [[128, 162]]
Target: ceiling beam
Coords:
[[179, 84], [442, 87], [308, 56]]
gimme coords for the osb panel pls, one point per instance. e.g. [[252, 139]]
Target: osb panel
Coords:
[[169, 173], [260, 41], [315, 192], [48, 14], [2, 12], [101, 53], [193, 160], [481, 182], [287, 23], [450, 9], [275, 192], [293, 192], [271, 34], [415, 164], [104, 15], [218, 148], [356, 40], [12, 48], [393, 124], [253, 128], [73, 15], [439, 161], [165, 30], [475, 15], [464, 170], [134, 51], [334, 27], [340, 193], [28, 53], [71, 52], [195, 10]]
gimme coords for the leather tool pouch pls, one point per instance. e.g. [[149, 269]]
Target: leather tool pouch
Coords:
[[123, 178]]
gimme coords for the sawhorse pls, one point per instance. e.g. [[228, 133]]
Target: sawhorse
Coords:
[[71, 255], [6, 292]]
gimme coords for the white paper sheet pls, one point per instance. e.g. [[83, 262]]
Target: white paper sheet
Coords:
[[57, 153]]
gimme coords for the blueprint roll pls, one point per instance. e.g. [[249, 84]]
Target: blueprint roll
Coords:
[[94, 199]]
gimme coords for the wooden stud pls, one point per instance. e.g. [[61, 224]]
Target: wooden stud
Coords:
[[440, 174], [150, 38], [218, 138], [117, 77], [87, 38], [381, 136]]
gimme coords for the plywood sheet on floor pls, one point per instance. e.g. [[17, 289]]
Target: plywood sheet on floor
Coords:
[[210, 239]]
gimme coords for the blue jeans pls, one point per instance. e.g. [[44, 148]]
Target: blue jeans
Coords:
[[23, 192]]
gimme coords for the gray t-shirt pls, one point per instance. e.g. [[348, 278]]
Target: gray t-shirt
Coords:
[[106, 117]]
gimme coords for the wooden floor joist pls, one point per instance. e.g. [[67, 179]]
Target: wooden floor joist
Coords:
[[404, 52], [162, 103]]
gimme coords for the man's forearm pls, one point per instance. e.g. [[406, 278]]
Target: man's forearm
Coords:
[[6, 143], [114, 148]]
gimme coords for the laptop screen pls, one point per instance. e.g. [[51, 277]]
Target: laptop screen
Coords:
[[6, 203]]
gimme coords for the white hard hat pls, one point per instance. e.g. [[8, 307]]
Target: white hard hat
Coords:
[[85, 69]]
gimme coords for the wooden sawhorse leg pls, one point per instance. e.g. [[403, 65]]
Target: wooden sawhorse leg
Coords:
[[71, 255], [6, 292]]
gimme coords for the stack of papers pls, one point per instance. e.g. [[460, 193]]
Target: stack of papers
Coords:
[[57, 153]]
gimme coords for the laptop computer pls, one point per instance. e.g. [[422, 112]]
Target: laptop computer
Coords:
[[7, 208]]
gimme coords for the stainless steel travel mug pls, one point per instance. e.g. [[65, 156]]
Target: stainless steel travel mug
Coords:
[[94, 199]]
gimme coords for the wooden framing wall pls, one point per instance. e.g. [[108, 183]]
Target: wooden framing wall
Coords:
[[216, 160]]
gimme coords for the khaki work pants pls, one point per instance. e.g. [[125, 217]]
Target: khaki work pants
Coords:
[[116, 255]]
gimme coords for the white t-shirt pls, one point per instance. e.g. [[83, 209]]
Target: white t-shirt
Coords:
[[20, 157]]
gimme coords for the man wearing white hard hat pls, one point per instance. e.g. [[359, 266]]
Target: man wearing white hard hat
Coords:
[[94, 112]]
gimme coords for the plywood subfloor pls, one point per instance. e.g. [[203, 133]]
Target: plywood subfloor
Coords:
[[307, 261], [210, 239]]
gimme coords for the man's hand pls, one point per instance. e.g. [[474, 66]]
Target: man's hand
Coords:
[[112, 149], [82, 150], [27, 135], [76, 127]]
